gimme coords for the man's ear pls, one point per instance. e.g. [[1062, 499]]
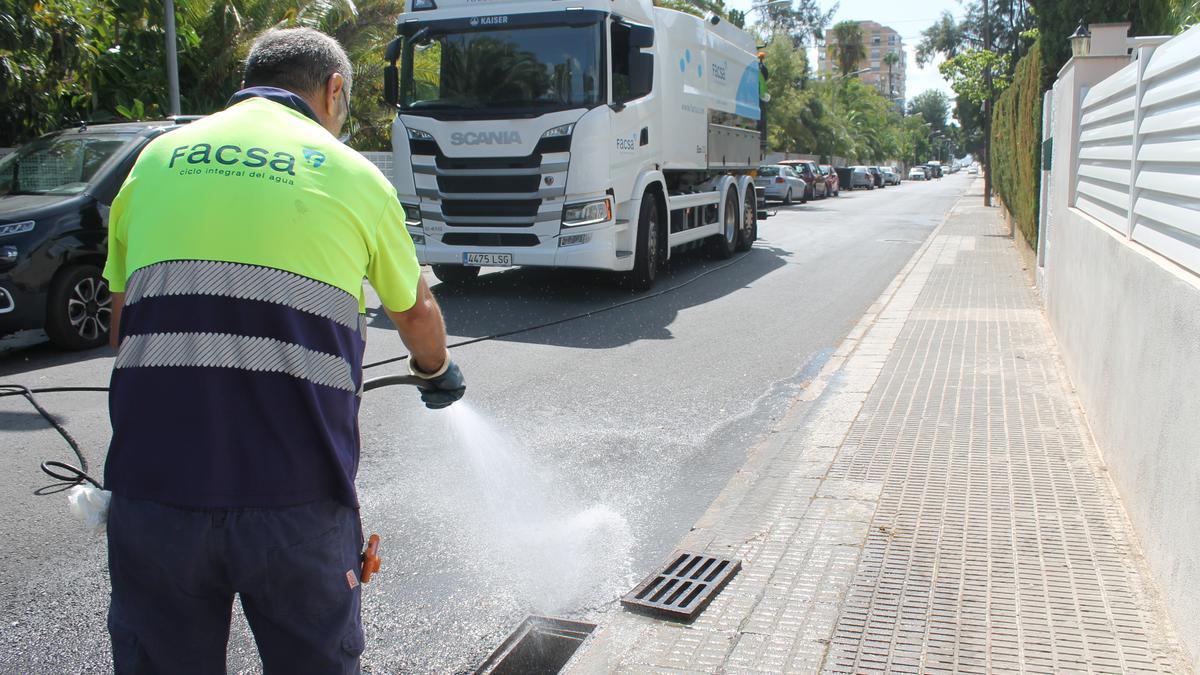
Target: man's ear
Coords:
[[333, 89]]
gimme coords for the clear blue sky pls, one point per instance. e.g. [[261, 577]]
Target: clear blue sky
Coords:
[[909, 17]]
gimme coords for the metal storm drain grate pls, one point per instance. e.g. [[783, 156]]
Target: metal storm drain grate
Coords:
[[684, 587], [541, 645]]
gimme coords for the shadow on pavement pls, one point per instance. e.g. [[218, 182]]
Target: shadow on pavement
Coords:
[[24, 358], [519, 298]]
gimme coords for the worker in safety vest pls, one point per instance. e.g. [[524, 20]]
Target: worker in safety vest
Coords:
[[763, 98], [237, 252]]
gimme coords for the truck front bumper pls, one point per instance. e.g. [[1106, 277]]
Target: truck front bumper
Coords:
[[585, 247]]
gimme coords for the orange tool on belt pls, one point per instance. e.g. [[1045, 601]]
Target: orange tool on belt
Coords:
[[370, 559]]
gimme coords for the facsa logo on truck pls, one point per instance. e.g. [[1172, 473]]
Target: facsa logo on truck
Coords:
[[488, 21], [484, 138]]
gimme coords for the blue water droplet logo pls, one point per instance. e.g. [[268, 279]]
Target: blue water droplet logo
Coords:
[[699, 71], [682, 66], [687, 54], [314, 158]]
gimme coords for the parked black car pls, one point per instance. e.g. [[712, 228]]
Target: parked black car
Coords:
[[876, 176], [55, 195]]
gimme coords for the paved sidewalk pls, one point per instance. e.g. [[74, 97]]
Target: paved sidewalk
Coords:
[[932, 503]]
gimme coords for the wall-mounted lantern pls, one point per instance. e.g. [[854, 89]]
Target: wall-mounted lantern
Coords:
[[1081, 40]]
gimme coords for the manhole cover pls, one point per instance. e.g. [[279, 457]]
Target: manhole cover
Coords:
[[684, 587]]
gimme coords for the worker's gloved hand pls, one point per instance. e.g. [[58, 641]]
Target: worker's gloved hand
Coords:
[[440, 388]]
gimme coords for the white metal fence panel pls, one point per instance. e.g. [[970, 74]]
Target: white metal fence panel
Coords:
[[1106, 132], [1166, 201]]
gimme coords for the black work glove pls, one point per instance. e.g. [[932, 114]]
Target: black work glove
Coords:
[[442, 388]]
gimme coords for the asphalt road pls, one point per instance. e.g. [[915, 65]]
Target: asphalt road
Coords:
[[586, 450]]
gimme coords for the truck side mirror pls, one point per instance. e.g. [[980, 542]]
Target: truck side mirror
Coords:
[[391, 85], [641, 66], [641, 74], [391, 75], [640, 37]]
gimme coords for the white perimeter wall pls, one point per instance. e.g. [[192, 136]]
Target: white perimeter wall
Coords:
[[1126, 312]]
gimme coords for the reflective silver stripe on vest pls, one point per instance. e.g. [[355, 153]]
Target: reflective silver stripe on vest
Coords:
[[243, 282], [223, 350]]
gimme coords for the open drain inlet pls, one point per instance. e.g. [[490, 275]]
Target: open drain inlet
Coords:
[[541, 645]]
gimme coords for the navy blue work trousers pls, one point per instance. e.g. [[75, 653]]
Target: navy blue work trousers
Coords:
[[175, 572]]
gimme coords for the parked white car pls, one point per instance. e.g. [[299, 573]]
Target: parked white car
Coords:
[[916, 173]]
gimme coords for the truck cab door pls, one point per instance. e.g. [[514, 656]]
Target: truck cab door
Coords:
[[633, 125]]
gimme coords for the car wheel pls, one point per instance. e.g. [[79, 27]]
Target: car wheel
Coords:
[[79, 308], [787, 199]]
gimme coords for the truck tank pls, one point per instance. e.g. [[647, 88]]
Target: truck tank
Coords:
[[707, 76]]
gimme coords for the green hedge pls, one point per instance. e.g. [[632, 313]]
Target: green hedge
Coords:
[[1016, 144]]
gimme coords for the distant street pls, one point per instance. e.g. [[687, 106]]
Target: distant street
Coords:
[[586, 451]]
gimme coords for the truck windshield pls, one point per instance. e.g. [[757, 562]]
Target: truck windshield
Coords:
[[58, 165], [521, 70]]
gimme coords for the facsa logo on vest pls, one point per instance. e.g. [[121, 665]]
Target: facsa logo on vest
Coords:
[[484, 138], [229, 155]]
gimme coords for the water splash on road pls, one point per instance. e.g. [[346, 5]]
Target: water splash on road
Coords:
[[554, 556]]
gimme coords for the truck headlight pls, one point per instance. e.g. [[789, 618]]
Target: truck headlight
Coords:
[[559, 131], [412, 215], [418, 135], [587, 213]]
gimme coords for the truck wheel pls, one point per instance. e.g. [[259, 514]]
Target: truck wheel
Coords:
[[455, 274], [645, 257], [78, 308], [722, 245], [749, 234]]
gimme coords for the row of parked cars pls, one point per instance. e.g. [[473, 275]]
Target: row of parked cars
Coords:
[[801, 180]]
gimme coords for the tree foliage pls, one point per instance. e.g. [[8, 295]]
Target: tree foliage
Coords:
[[1016, 145], [63, 61], [933, 106], [968, 73], [966, 66], [801, 20]]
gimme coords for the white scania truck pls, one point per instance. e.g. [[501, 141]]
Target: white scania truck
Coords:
[[597, 134]]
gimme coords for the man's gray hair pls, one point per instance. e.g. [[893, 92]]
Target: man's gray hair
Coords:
[[300, 60]]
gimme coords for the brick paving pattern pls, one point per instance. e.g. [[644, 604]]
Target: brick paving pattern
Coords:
[[996, 546]]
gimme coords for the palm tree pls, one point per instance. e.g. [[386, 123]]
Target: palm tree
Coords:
[[891, 59], [847, 49]]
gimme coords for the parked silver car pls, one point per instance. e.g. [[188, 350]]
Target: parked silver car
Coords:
[[779, 182], [860, 177], [890, 177]]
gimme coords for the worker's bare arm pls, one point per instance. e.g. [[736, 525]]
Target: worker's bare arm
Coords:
[[114, 322], [423, 330]]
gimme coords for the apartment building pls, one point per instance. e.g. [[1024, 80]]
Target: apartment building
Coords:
[[878, 42]]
